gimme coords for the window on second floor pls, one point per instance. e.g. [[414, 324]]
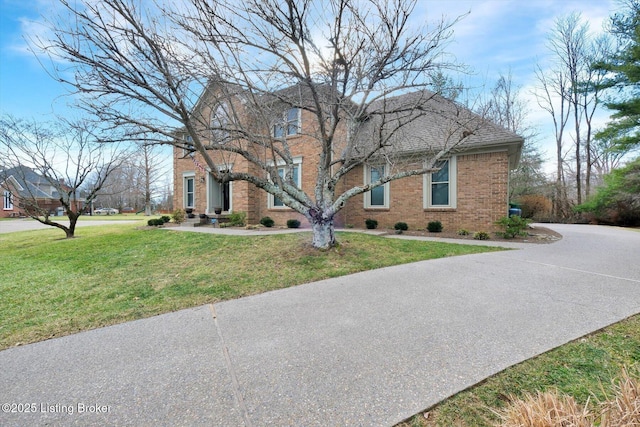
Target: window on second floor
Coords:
[[290, 125], [219, 124]]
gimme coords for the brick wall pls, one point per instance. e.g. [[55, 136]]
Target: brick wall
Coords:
[[307, 148], [482, 181]]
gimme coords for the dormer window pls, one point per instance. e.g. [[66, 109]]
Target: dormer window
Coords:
[[290, 124]]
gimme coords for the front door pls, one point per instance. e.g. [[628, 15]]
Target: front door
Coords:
[[219, 195]]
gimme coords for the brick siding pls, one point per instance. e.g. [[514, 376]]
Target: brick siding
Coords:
[[482, 188], [482, 181]]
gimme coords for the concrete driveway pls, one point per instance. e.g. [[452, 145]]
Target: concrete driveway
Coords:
[[369, 349]]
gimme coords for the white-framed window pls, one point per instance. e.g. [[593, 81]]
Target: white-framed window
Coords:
[[377, 197], [7, 200], [296, 176], [189, 180], [219, 124], [440, 187], [290, 125]]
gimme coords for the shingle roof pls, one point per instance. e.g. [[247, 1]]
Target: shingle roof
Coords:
[[415, 122], [30, 182], [424, 121]]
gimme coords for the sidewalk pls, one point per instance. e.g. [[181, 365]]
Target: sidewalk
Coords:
[[369, 349]]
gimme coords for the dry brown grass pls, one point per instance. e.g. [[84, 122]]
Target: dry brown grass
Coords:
[[548, 409], [552, 409], [624, 409]]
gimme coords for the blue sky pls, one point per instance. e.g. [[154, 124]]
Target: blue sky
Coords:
[[495, 37]]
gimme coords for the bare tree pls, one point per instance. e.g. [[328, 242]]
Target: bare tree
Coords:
[[343, 62], [569, 43], [151, 171], [506, 108], [591, 90], [576, 51], [121, 189], [47, 162], [551, 96], [136, 181]]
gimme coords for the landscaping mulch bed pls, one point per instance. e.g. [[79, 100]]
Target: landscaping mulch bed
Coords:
[[535, 234]]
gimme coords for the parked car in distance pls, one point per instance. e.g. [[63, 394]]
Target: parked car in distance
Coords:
[[128, 210], [105, 211]]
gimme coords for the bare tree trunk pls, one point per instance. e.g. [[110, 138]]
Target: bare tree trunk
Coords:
[[578, 156], [559, 203], [147, 181], [323, 233]]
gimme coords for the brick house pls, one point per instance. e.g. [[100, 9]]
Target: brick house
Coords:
[[469, 191], [10, 188], [23, 189]]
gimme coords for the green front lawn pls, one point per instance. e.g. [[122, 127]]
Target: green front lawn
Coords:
[[584, 369], [116, 217], [52, 286]]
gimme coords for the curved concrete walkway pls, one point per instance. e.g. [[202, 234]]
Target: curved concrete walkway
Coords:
[[369, 349]]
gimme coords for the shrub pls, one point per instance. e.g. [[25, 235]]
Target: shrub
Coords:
[[535, 206], [463, 232], [178, 216], [481, 235], [165, 218], [513, 226], [617, 201], [434, 226], [293, 223], [371, 223], [267, 221], [237, 219], [155, 222], [402, 226]]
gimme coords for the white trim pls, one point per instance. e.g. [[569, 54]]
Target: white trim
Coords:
[[185, 176], [297, 162], [385, 187], [15, 183], [453, 187]]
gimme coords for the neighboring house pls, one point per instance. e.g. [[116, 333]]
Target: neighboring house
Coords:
[[10, 188], [469, 191], [22, 188]]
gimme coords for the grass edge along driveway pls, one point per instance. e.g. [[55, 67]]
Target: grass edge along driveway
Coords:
[[52, 287]]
